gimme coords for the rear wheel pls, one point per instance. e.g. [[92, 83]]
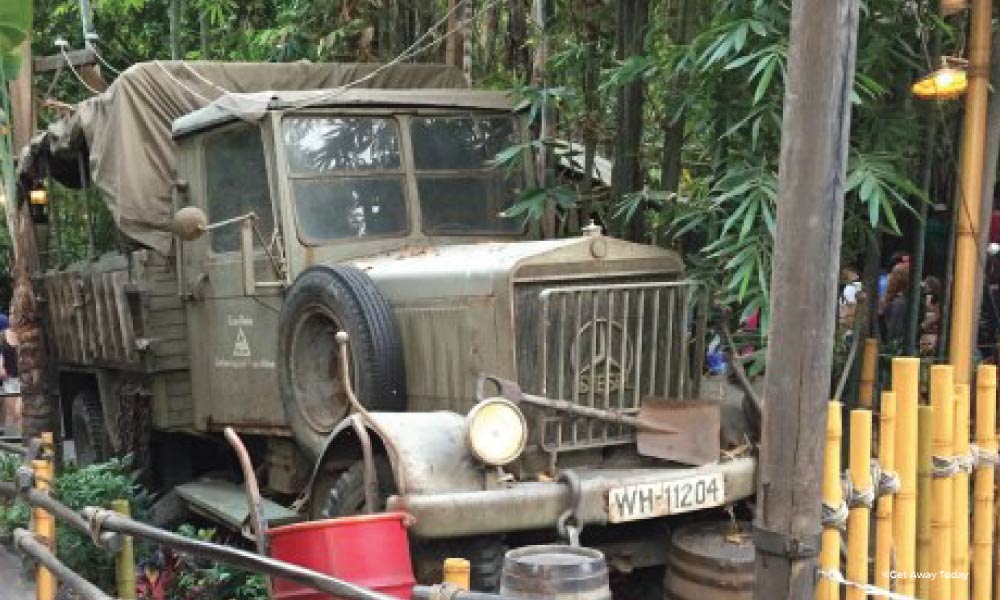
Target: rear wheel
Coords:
[[345, 496], [90, 436]]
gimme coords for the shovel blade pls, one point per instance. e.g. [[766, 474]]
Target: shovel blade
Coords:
[[697, 427]]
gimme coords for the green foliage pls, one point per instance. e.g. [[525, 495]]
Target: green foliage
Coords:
[[96, 485], [197, 579]]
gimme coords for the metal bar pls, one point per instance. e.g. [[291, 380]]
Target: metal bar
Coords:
[[592, 367], [667, 367], [576, 359], [621, 365], [250, 487], [27, 544], [699, 345], [234, 557], [607, 359], [685, 317], [656, 338], [641, 313]]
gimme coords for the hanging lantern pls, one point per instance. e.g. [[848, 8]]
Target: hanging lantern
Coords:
[[39, 197], [947, 83]]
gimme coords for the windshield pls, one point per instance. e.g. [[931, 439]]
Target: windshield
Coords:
[[347, 177], [460, 193]]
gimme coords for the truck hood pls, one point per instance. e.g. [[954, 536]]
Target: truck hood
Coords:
[[436, 271]]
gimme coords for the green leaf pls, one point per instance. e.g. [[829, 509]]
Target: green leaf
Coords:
[[765, 81]]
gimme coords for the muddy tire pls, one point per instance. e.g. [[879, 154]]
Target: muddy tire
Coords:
[[90, 436], [485, 553], [321, 302]]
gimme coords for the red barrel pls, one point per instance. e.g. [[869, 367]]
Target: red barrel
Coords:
[[369, 550]]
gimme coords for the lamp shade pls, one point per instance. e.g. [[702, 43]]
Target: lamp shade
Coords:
[[943, 84]]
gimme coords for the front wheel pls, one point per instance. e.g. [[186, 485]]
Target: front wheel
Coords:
[[345, 496]]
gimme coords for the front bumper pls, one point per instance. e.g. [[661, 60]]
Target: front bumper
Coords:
[[537, 505]]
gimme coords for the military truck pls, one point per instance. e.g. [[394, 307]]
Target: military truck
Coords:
[[255, 225]]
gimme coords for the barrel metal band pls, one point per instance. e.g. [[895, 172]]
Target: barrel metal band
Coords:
[[786, 545]]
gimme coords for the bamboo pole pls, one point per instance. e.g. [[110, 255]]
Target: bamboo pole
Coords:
[[905, 383], [125, 559], [942, 401], [458, 572], [866, 391], [858, 522], [969, 197], [926, 428], [982, 536], [45, 529], [883, 512], [833, 496], [960, 499]]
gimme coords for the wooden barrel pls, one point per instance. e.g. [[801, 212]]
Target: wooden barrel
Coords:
[[712, 560], [555, 572]]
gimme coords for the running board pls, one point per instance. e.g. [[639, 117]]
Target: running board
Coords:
[[226, 503]]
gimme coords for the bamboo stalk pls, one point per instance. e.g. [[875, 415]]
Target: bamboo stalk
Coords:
[[905, 382], [866, 389], [943, 403], [883, 512], [982, 536], [926, 428], [44, 526], [960, 499], [858, 521], [829, 559]]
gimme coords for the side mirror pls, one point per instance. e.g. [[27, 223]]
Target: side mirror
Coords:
[[190, 223]]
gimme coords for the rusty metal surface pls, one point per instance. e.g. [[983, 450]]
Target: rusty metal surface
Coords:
[[697, 423], [537, 505], [710, 560]]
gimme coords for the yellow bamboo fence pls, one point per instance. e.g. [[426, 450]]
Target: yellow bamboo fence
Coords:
[[927, 473]]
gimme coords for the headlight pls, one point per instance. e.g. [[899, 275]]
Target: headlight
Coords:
[[496, 431]]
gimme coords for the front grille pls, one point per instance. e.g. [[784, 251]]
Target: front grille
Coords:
[[609, 346]]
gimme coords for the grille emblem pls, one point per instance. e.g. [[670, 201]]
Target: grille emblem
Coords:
[[596, 357]]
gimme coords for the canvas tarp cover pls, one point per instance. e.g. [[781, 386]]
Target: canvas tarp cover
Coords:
[[126, 131]]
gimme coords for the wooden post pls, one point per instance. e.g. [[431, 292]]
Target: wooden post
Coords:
[[833, 497], [44, 524], [883, 513], [969, 195], [960, 498], [869, 360], [943, 403], [457, 572], [452, 52], [815, 132], [923, 559], [905, 383], [125, 559], [982, 536], [859, 519]]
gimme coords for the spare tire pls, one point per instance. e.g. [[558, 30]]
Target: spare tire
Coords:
[[321, 302]]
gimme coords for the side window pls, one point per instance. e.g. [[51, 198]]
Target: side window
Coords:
[[236, 177]]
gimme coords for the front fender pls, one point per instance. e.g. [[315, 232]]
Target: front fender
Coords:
[[427, 451]]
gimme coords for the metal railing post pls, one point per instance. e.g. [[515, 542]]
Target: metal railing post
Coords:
[[125, 558], [44, 524]]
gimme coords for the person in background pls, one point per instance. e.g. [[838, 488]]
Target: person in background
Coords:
[[894, 306], [8, 358], [850, 290], [930, 325]]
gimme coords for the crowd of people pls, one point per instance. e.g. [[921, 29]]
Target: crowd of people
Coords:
[[893, 304]]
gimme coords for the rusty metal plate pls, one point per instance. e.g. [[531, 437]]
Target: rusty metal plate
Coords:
[[697, 423]]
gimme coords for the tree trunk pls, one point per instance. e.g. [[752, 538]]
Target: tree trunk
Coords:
[[633, 15], [205, 35], [812, 176], [517, 37], [681, 29], [174, 16], [37, 412]]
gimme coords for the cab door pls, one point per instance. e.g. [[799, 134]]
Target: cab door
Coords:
[[233, 334]]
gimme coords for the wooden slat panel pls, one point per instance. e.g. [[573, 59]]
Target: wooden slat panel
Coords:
[[105, 352], [120, 279]]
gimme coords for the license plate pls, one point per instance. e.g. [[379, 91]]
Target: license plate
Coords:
[[648, 500]]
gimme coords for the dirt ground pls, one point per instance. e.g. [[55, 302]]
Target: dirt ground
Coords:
[[12, 583]]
